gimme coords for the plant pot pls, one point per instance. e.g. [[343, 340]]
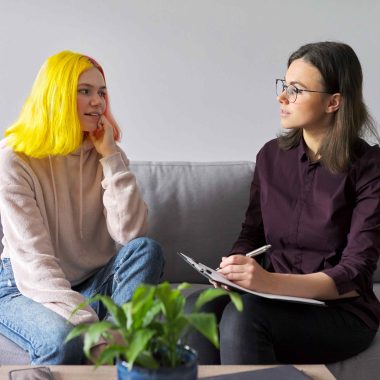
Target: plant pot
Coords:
[[186, 371]]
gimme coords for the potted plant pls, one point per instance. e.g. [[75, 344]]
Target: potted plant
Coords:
[[153, 326]]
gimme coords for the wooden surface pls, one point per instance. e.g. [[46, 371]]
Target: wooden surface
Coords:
[[316, 372]]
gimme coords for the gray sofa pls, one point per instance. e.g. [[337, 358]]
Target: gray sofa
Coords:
[[197, 208]]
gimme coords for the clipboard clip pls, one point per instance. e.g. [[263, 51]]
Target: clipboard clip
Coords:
[[202, 269]]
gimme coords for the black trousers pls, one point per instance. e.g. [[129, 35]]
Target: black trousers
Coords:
[[273, 332]]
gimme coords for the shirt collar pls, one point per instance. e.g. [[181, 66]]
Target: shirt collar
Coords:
[[301, 148], [302, 153]]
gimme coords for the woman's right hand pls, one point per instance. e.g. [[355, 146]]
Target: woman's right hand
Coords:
[[103, 138], [216, 284]]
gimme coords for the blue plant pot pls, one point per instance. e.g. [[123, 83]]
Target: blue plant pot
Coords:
[[187, 371]]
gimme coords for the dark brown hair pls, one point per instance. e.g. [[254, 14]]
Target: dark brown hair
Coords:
[[342, 73]]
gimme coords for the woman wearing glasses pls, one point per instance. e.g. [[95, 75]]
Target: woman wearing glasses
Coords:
[[315, 198]]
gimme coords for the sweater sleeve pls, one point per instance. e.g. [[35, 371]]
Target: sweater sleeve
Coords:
[[27, 242], [126, 212]]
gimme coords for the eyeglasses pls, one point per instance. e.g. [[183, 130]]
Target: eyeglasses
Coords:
[[292, 91]]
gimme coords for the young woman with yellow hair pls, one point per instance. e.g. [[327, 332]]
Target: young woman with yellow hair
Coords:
[[72, 214]]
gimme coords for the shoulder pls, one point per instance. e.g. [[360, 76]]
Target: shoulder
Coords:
[[366, 165], [9, 159], [269, 148], [271, 145], [15, 167], [366, 155], [273, 154]]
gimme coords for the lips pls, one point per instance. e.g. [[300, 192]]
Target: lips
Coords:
[[93, 114], [284, 112]]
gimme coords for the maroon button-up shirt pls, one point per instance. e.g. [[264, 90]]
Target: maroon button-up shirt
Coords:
[[317, 221]]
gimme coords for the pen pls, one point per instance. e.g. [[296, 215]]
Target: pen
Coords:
[[256, 252]]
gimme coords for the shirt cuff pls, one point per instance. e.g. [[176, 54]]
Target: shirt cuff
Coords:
[[339, 276], [113, 164]]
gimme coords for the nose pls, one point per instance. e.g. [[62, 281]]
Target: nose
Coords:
[[96, 100], [282, 98]]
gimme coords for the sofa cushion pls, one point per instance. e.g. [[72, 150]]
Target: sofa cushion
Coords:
[[196, 208], [365, 365], [11, 353]]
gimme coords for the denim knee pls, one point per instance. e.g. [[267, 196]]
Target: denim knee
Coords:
[[157, 255], [149, 250], [140, 261], [53, 350], [151, 246]]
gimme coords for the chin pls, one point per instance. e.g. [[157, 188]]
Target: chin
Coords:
[[88, 128], [287, 126]]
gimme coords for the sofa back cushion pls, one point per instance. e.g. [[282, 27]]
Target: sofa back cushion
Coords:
[[194, 208]]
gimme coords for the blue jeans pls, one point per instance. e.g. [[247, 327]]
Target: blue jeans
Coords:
[[41, 331]]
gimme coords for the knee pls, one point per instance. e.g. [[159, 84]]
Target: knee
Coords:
[[150, 250], [154, 249], [231, 323], [235, 323], [54, 350], [144, 248], [146, 256]]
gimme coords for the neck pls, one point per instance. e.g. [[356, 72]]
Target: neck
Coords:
[[313, 141]]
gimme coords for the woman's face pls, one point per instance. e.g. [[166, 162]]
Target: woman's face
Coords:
[[91, 101], [309, 111]]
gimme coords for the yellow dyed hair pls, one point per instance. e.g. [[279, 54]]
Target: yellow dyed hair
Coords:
[[48, 123]]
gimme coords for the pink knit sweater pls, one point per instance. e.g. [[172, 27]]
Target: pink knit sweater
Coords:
[[63, 218]]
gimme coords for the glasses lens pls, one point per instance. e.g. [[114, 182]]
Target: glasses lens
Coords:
[[279, 87], [291, 93]]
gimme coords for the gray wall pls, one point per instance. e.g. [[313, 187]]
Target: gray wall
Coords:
[[188, 80]]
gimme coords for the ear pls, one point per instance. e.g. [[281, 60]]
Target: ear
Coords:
[[334, 103]]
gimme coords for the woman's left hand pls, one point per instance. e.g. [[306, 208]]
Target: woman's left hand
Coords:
[[103, 138], [246, 272]]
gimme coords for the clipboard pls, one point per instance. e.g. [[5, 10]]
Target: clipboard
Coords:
[[213, 275]]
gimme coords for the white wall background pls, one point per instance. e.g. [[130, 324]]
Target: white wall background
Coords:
[[188, 79]]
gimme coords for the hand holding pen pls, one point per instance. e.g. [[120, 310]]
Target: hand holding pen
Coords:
[[256, 252]]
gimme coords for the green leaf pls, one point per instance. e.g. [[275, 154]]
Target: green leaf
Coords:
[[109, 354], [208, 295], [236, 300], [93, 335], [115, 310], [112, 308], [82, 305], [212, 293], [183, 286], [206, 324], [76, 331], [172, 301], [127, 309], [151, 314], [142, 302], [146, 360], [175, 330], [138, 344]]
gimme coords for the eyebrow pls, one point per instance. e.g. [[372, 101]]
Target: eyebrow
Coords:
[[297, 82], [90, 85]]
